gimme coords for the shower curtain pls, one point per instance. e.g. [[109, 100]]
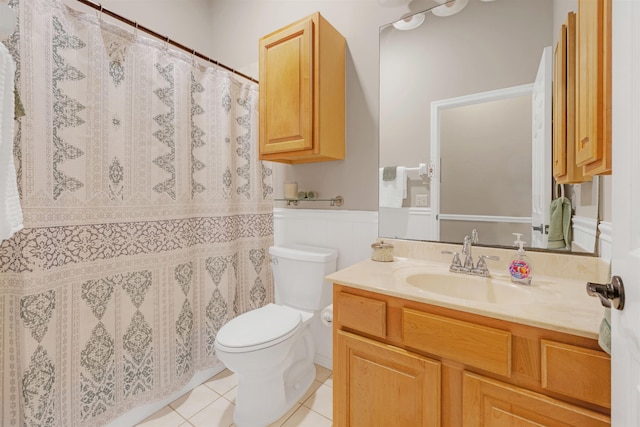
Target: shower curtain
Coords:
[[147, 217]]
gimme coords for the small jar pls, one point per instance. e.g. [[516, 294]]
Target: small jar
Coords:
[[382, 252]]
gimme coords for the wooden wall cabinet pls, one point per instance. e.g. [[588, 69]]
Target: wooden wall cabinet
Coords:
[[302, 93], [593, 141], [565, 168], [403, 363]]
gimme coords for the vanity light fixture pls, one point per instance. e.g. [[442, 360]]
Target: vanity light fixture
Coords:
[[409, 22], [450, 8]]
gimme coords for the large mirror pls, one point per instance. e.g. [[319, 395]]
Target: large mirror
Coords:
[[465, 128]]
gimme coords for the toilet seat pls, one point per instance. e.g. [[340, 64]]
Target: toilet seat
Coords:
[[257, 329]]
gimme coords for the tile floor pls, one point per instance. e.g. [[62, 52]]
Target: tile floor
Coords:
[[211, 405]]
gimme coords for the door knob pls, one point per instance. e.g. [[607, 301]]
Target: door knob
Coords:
[[610, 294]]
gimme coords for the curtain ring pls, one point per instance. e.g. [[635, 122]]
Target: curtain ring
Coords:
[[166, 43], [99, 12], [193, 58], [135, 30]]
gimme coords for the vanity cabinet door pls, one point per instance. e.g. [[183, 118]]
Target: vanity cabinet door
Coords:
[[378, 385], [302, 93], [593, 142], [491, 403]]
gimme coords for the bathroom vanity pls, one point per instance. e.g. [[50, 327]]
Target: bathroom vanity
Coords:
[[509, 355]]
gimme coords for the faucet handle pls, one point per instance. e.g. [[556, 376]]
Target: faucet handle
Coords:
[[482, 263], [455, 262], [474, 236]]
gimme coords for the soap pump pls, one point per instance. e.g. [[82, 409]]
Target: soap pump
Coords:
[[520, 266]]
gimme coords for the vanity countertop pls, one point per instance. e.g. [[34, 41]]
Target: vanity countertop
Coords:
[[559, 304]]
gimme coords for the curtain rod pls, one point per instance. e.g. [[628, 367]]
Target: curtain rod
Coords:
[[134, 24]]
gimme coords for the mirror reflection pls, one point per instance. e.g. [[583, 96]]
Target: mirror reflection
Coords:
[[465, 127]]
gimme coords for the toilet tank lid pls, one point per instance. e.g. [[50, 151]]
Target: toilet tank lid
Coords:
[[304, 252]]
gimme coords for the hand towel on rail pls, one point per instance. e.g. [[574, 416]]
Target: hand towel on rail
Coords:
[[560, 224], [392, 192]]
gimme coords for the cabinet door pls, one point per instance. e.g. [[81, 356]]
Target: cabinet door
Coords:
[[491, 403], [286, 89], [593, 142], [378, 385], [565, 169]]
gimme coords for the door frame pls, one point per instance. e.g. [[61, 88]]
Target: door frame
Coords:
[[437, 107]]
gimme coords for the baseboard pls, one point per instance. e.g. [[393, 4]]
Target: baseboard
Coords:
[[323, 361]]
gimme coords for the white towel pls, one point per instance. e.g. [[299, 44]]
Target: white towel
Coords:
[[10, 210], [393, 192]]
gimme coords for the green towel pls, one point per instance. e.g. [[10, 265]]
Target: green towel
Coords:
[[389, 173], [604, 337], [560, 224]]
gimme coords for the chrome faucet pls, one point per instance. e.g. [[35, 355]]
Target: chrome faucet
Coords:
[[480, 269], [467, 244]]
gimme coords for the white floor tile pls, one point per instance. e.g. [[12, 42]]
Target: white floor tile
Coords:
[[166, 417], [194, 401], [305, 417], [231, 395], [218, 414], [203, 406], [329, 382], [321, 401], [223, 382], [286, 416]]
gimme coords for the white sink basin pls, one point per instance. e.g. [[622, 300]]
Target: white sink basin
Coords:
[[473, 288]]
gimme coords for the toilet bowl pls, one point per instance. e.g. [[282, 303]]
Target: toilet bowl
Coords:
[[275, 371], [271, 349]]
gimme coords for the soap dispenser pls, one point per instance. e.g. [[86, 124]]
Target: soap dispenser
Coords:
[[520, 266]]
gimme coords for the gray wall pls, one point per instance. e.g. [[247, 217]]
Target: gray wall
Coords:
[[238, 24], [185, 21]]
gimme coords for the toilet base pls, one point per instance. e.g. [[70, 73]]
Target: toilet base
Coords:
[[266, 393], [266, 409]]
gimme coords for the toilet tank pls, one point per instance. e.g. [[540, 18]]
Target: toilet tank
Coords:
[[298, 275]]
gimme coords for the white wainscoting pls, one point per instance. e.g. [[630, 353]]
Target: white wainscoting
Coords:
[[585, 231], [350, 232], [400, 223]]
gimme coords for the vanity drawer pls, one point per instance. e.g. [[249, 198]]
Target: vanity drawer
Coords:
[[474, 345], [362, 314], [577, 372]]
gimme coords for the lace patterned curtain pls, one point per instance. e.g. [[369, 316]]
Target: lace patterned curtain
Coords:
[[147, 217]]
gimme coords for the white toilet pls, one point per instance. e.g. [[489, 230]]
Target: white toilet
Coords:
[[271, 349]]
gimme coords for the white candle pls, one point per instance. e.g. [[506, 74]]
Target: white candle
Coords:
[[291, 190]]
